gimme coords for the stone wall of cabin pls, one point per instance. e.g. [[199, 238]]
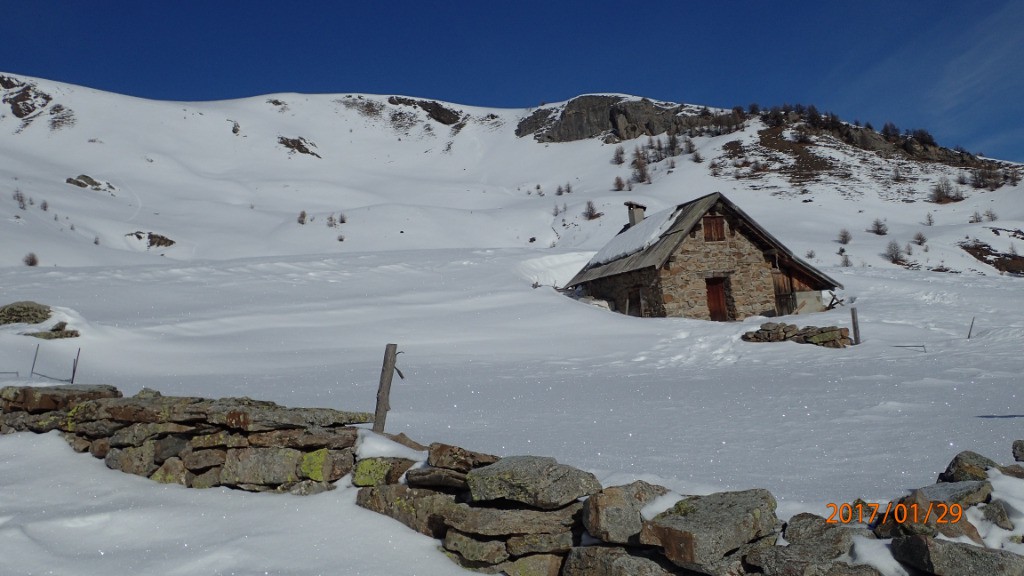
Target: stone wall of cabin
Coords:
[[750, 291], [616, 289]]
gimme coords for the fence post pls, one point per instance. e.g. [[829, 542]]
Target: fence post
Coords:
[[387, 372], [34, 358], [856, 326], [74, 365]]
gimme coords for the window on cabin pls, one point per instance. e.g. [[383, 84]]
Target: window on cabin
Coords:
[[714, 228]]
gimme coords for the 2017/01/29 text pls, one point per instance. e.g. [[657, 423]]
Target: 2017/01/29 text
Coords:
[[868, 512]]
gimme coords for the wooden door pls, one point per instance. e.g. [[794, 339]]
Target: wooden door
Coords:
[[716, 299], [785, 300]]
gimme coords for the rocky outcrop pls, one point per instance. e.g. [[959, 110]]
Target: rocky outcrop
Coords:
[[298, 144], [618, 118], [828, 336], [435, 110]]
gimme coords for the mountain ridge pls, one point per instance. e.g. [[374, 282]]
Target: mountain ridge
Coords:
[[398, 167]]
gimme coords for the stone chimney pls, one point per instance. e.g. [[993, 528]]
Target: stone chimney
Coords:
[[636, 213]]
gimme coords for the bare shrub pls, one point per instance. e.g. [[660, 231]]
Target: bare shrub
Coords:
[[697, 157], [845, 261], [810, 255], [302, 217], [920, 239], [844, 237], [893, 252], [619, 157], [590, 212], [943, 192], [991, 215], [619, 184], [975, 218], [31, 259], [929, 220], [879, 227], [19, 197], [44, 205]]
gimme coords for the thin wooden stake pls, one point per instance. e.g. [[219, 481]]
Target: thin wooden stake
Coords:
[[387, 372], [971, 329], [856, 326], [74, 365], [34, 358]]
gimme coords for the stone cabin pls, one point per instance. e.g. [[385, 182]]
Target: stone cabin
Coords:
[[704, 259]]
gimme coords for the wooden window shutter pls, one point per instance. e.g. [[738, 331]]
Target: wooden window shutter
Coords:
[[714, 228]]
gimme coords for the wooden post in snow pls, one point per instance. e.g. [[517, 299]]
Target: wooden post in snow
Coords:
[[387, 372], [856, 326]]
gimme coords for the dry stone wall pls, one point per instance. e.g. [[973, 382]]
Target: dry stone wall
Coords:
[[828, 336], [517, 515]]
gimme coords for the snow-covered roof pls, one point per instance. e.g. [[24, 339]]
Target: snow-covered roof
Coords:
[[636, 238], [651, 242]]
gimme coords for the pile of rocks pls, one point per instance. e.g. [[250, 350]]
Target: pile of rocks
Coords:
[[828, 336], [522, 515], [236, 442]]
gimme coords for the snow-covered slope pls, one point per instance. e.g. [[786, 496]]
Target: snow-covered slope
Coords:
[[447, 229]]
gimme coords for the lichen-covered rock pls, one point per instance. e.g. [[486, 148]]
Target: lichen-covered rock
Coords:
[[422, 510], [500, 522], [945, 558], [699, 531], [430, 477], [136, 434], [803, 561], [612, 561], [172, 471], [38, 399], [558, 543], [533, 565], [996, 513], [1018, 450], [613, 515], [917, 520], [261, 466], [966, 493], [455, 458], [967, 465], [136, 460], [474, 549], [306, 438], [536, 481], [207, 479], [199, 460], [24, 312], [827, 540], [814, 549], [377, 471], [219, 439]]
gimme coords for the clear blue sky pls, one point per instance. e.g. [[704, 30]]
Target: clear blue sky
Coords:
[[953, 68]]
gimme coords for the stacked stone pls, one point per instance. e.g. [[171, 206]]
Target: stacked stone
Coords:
[[828, 336], [236, 442], [925, 541], [522, 515], [519, 515]]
